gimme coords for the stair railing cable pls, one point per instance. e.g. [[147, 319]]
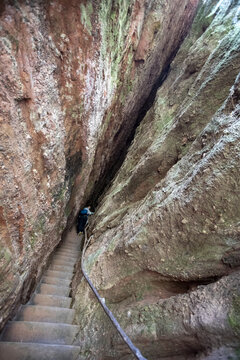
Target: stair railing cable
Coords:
[[124, 336]]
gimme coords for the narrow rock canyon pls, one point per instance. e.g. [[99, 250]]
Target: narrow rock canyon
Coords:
[[132, 107]]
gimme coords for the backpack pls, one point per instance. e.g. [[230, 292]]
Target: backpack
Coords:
[[84, 212]]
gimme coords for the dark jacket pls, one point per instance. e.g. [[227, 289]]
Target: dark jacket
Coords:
[[83, 219]]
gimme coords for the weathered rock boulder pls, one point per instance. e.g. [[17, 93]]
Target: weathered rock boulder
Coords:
[[165, 246], [74, 75]]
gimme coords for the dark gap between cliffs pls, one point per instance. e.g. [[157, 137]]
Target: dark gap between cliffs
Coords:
[[103, 184]]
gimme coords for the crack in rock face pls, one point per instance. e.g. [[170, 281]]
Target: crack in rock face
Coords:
[[133, 107]]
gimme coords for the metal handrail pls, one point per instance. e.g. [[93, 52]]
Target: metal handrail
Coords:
[[124, 336]]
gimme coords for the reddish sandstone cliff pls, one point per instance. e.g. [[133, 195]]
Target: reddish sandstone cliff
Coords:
[[73, 78]]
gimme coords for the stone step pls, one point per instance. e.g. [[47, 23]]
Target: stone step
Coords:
[[70, 243], [53, 290], [51, 300], [73, 241], [68, 267], [30, 351], [65, 257], [62, 258], [67, 248], [55, 281], [61, 266], [63, 263], [58, 274], [40, 332], [70, 251], [47, 314], [70, 247], [73, 254]]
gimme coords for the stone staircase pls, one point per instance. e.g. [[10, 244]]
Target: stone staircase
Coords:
[[43, 329]]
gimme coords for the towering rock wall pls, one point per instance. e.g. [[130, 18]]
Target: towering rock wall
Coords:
[[165, 244], [73, 77]]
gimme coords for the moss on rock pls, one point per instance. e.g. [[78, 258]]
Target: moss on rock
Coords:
[[234, 315]]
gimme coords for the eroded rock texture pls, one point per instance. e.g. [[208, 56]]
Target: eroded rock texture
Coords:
[[165, 247], [74, 75]]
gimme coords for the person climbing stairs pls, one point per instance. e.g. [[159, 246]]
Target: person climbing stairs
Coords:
[[43, 329]]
